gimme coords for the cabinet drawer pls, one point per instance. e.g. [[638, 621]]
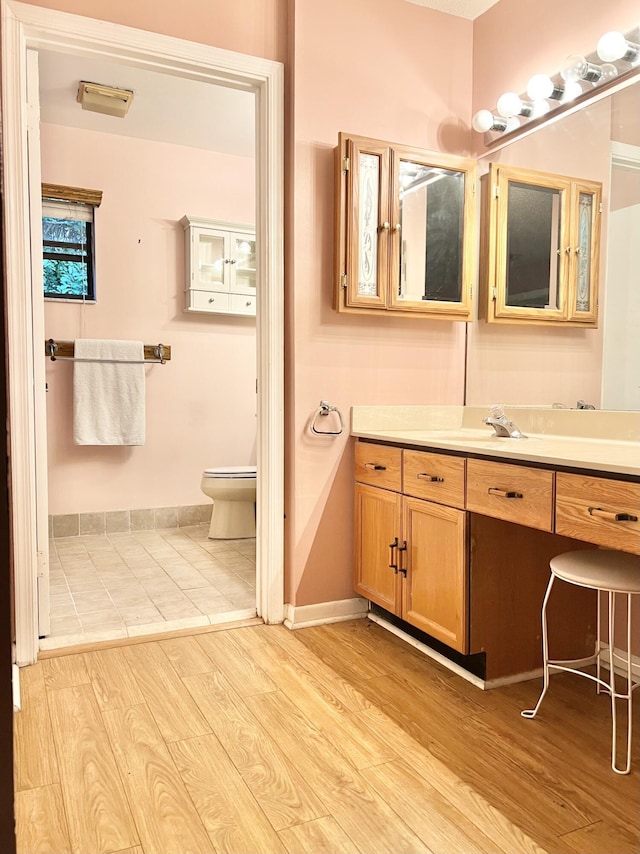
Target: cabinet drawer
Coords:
[[242, 304], [597, 510], [512, 493], [436, 477], [379, 465], [207, 301]]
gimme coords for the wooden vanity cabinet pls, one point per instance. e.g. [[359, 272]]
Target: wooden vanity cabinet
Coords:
[[540, 248], [410, 553], [405, 230]]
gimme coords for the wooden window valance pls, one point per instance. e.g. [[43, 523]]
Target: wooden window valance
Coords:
[[79, 195]]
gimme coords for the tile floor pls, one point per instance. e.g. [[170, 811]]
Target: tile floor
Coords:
[[129, 584]]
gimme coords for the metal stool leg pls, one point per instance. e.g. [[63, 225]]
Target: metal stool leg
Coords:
[[531, 713], [628, 696]]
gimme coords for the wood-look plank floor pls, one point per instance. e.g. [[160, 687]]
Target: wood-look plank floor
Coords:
[[337, 739]]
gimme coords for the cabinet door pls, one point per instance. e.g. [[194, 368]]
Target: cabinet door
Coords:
[[436, 589], [368, 225], [431, 235], [242, 262], [585, 251], [208, 255], [531, 243], [377, 528]]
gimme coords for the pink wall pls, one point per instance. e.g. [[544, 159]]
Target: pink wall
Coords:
[[200, 406], [389, 70], [392, 70], [256, 27]]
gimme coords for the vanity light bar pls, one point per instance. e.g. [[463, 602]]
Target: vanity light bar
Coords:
[[617, 55]]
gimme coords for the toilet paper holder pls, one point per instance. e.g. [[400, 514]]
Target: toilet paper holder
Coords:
[[323, 410]]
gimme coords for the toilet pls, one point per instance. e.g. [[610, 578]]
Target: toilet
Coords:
[[233, 490]]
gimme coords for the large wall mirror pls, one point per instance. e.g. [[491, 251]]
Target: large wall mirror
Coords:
[[541, 366]]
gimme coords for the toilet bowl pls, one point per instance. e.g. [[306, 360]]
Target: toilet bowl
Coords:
[[233, 490]]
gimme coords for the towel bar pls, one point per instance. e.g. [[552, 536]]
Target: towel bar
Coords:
[[65, 350]]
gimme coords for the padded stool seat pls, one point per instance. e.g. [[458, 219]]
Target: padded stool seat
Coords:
[[611, 572], [600, 569]]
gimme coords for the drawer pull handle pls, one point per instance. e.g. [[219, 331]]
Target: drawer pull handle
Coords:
[[503, 493], [392, 546], [612, 517], [375, 467], [432, 478], [402, 549]]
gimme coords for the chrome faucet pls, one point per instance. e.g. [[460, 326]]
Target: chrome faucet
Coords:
[[501, 424]]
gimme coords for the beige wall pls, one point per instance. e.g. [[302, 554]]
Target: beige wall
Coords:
[[200, 406]]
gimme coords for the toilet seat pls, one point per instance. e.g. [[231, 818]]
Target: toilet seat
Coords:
[[234, 472]]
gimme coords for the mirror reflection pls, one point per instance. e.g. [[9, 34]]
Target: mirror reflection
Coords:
[[540, 366], [533, 245], [431, 226]]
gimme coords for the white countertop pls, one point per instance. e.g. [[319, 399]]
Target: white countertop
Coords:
[[600, 450]]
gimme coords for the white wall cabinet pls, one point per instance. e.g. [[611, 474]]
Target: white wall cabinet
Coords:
[[220, 259]]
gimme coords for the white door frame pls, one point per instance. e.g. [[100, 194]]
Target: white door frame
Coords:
[[23, 27]]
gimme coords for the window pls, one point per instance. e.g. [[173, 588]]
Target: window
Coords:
[[68, 242]]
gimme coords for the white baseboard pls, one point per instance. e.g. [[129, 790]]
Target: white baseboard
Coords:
[[303, 616], [15, 682]]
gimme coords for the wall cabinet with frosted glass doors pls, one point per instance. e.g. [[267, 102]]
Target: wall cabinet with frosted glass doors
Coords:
[[220, 262], [405, 231], [540, 247]]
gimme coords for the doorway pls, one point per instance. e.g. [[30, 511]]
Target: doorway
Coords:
[[29, 27]]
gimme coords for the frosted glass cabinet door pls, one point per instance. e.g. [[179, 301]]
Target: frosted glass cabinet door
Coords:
[[209, 261], [583, 296], [367, 243]]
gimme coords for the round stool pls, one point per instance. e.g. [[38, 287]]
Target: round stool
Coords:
[[610, 572]]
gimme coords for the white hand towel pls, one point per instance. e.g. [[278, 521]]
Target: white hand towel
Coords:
[[108, 392]]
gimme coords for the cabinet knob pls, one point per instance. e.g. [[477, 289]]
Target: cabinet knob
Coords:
[[385, 226], [212, 299], [503, 493], [432, 478], [227, 261], [375, 467], [248, 303], [233, 261], [397, 227]]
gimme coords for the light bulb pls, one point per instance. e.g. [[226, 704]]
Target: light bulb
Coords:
[[539, 108], [572, 90], [576, 68], [484, 121], [510, 105], [614, 46], [541, 86]]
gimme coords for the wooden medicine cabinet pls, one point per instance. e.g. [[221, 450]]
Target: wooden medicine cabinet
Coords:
[[540, 248], [405, 230]]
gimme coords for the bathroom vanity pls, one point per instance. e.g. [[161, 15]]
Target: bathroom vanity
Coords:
[[455, 527]]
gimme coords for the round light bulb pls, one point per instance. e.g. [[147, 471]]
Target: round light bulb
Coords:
[[572, 90], [540, 87], [539, 108], [573, 68], [483, 121], [509, 105], [612, 46]]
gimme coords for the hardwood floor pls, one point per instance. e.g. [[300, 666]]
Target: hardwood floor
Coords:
[[328, 740]]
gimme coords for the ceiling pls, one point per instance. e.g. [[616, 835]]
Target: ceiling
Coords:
[[164, 108], [461, 8]]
